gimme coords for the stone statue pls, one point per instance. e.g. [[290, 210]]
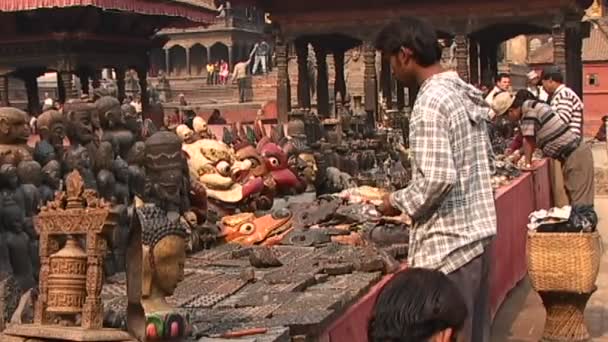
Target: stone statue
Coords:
[[133, 122], [81, 133], [29, 173], [51, 181], [78, 158], [112, 121], [106, 183], [14, 134], [52, 130], [137, 175], [12, 219], [121, 173], [105, 157], [156, 254], [164, 88], [9, 185], [167, 182], [132, 87]]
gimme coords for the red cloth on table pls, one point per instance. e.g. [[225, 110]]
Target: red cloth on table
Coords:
[[529, 192]]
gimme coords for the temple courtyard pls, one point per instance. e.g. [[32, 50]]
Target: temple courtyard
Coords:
[[522, 316]]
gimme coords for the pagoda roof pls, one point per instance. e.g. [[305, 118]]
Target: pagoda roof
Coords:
[[196, 11]]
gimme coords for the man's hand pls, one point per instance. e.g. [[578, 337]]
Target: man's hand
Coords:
[[386, 208]]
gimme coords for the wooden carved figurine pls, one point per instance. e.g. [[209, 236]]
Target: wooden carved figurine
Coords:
[[156, 254], [14, 134]]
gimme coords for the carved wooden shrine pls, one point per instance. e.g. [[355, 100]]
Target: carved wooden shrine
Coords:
[[71, 278]]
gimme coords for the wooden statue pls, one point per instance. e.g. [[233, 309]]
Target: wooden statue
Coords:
[[156, 254], [14, 134]]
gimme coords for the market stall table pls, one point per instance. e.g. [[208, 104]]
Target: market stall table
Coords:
[[514, 202]]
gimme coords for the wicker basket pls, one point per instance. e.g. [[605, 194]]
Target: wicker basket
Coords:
[[564, 262]]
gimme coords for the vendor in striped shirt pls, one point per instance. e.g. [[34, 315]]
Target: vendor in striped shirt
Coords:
[[542, 127], [564, 101]]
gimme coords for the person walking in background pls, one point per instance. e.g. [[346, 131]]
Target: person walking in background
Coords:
[[261, 52], [210, 71], [216, 72], [216, 118], [535, 88], [450, 199], [224, 72], [240, 75]]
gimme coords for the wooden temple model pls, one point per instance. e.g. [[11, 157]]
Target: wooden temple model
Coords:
[[69, 305]]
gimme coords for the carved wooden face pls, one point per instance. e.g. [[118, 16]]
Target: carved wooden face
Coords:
[[246, 229], [14, 128], [258, 164], [169, 259], [310, 172], [80, 126]]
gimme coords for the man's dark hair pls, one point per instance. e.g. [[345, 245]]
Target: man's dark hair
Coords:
[[411, 33], [522, 96], [414, 306], [553, 73], [499, 77]]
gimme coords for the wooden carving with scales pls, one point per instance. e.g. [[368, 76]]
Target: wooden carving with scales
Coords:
[[75, 212]]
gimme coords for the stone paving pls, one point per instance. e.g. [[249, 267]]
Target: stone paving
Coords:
[[521, 317]]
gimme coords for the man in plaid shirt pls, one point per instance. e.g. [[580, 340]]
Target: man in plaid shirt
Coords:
[[450, 198]]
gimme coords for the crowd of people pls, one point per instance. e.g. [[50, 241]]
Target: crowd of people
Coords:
[[444, 296]]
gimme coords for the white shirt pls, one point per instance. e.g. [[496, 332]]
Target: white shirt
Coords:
[[137, 106]]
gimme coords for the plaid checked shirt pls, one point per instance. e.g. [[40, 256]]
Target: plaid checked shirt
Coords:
[[450, 197]]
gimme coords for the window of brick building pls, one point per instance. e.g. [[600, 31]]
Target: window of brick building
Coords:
[[593, 80]]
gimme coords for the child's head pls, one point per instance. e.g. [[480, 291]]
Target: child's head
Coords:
[[418, 305]]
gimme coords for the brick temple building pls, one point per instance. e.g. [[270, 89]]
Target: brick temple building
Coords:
[[476, 27]]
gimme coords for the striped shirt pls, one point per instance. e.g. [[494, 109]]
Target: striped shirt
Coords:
[[552, 134], [569, 107], [450, 197]]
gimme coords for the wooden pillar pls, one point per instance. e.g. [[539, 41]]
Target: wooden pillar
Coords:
[[208, 57], [400, 96], [84, 81], [167, 63], [283, 97], [67, 83], [340, 82], [370, 81], [143, 84], [386, 83], [462, 56], [559, 49], [120, 83], [230, 58], [31, 87], [412, 94], [474, 61], [4, 98], [188, 71], [576, 31], [95, 78], [322, 82], [303, 76]]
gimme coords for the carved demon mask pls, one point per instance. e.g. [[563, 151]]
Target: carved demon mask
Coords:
[[246, 229]]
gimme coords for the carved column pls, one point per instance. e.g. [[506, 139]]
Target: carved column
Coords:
[[559, 49], [462, 56], [322, 82], [120, 83], [303, 76], [386, 83], [143, 84], [208, 56], [474, 61], [400, 96], [489, 63], [67, 83], [188, 71], [340, 83], [168, 62], [4, 98], [230, 59], [283, 98], [31, 87], [369, 79], [84, 81], [576, 31], [95, 78]]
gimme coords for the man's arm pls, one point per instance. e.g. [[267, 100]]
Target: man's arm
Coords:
[[432, 153], [562, 105], [529, 147]]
